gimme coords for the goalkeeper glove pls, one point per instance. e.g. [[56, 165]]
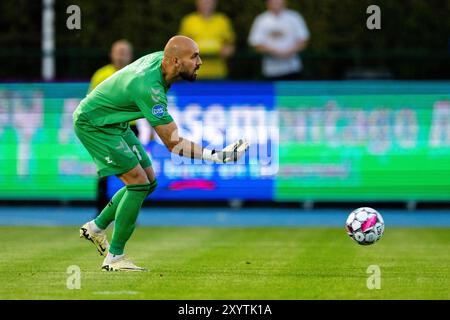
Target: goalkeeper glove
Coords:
[[232, 152]]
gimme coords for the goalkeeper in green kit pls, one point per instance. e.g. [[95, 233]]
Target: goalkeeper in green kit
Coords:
[[101, 123]]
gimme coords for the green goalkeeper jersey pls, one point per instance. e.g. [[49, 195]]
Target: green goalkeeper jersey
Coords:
[[136, 91]]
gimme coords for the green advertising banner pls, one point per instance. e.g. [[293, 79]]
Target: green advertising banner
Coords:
[[337, 140], [363, 142], [40, 156]]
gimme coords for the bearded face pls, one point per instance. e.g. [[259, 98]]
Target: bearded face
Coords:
[[189, 65], [185, 57], [189, 74]]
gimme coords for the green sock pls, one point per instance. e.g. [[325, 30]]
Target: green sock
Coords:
[[109, 212], [126, 215]]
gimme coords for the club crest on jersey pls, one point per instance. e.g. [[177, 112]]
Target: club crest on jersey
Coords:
[[158, 110]]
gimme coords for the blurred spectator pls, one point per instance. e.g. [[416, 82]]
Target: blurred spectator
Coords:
[[279, 34], [214, 35], [121, 55]]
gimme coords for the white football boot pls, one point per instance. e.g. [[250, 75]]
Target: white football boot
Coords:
[[97, 238], [120, 263]]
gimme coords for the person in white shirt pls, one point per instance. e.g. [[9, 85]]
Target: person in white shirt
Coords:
[[279, 34]]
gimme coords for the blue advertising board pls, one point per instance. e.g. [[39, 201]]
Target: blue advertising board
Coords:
[[215, 115]]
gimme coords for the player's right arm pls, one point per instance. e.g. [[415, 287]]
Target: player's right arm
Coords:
[[186, 148]]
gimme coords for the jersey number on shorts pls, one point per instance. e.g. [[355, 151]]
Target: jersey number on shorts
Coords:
[[136, 151]]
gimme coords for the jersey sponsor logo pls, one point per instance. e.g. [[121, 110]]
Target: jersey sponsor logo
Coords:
[[158, 110]]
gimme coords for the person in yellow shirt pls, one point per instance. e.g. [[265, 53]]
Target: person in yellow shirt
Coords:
[[121, 54], [214, 35]]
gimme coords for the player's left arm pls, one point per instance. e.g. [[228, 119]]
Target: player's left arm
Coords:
[[186, 148], [153, 104]]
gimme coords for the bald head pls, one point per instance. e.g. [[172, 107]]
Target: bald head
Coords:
[[178, 46], [182, 55]]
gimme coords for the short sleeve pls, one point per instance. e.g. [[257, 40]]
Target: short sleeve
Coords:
[[256, 35], [228, 32], [300, 27], [152, 102]]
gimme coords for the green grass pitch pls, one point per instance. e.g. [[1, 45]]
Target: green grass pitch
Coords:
[[228, 263]]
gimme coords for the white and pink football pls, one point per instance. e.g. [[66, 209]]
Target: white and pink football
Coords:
[[365, 225]]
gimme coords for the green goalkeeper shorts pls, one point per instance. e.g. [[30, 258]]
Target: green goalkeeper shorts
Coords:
[[113, 154]]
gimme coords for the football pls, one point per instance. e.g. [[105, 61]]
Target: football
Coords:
[[365, 225]]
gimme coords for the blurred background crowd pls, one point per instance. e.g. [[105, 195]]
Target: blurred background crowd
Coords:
[[239, 40]]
